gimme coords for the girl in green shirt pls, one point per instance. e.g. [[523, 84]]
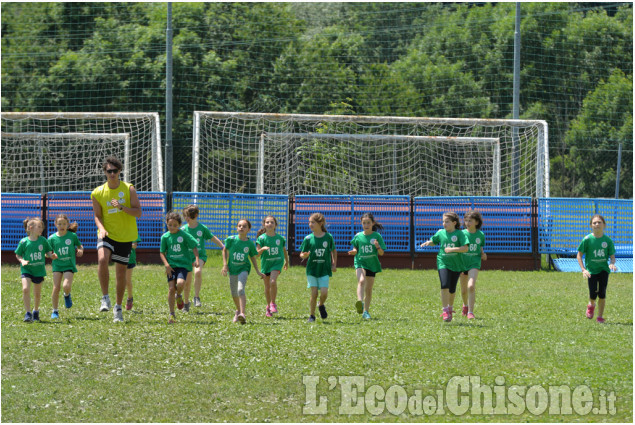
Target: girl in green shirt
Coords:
[[273, 259], [472, 221], [367, 246]]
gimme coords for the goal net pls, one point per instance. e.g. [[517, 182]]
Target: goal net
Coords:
[[328, 154], [44, 152]]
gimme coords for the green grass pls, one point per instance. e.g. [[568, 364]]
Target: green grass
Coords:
[[530, 330]]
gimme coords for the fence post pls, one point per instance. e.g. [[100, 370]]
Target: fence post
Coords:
[[619, 166]]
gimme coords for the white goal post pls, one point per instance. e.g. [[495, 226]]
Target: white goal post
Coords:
[[65, 151], [336, 154]]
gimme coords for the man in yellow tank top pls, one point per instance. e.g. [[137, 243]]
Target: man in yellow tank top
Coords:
[[116, 207]]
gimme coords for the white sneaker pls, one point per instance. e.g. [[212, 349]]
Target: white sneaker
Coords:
[[118, 313], [105, 304]]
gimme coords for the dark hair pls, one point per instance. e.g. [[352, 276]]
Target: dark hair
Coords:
[[173, 216], [114, 161], [191, 211], [72, 227], [376, 225], [475, 215], [453, 217], [262, 229], [598, 216], [320, 219], [29, 220], [248, 223]]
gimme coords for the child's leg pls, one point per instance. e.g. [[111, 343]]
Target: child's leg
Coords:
[[37, 292], [187, 287], [57, 284], [129, 282], [267, 282], [68, 283], [180, 285], [242, 298], [445, 297], [313, 300], [361, 282], [324, 293], [368, 295], [273, 285], [471, 289], [602, 284], [171, 295], [198, 279], [464, 291], [26, 293], [452, 296]]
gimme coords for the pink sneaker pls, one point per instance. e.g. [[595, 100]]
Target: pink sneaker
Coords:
[[600, 319], [464, 311], [129, 304], [273, 307], [447, 315], [268, 312], [236, 316], [470, 316], [590, 309], [441, 315]]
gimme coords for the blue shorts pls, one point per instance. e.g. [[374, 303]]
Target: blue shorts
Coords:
[[317, 282], [34, 279], [178, 273]]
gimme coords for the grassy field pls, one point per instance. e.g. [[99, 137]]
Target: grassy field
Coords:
[[530, 331]]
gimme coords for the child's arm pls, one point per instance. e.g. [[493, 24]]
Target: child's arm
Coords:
[[305, 255], [612, 265], [195, 250], [585, 272], [52, 255], [483, 255], [334, 260], [286, 260], [427, 243], [218, 242], [261, 249], [22, 260], [225, 268], [380, 251], [134, 245], [79, 251], [168, 269], [254, 261], [449, 250]]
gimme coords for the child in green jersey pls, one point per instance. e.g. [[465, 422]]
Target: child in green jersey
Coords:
[[201, 233], [31, 253], [367, 246], [175, 254], [238, 251], [67, 246], [452, 244], [472, 260], [597, 248], [319, 250], [132, 263], [274, 258]]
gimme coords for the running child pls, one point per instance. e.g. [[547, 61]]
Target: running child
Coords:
[[452, 243], [175, 246], [473, 221], [67, 246], [132, 263], [201, 233], [239, 250], [367, 246], [31, 252], [597, 248], [319, 249], [273, 259]]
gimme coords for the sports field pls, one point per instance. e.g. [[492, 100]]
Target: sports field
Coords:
[[530, 338]]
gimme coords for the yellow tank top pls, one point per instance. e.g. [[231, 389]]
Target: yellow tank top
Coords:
[[121, 227]]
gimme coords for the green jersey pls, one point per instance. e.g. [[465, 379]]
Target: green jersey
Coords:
[[64, 247], [319, 261], [367, 257], [201, 233], [240, 253], [273, 258], [596, 253], [176, 248], [476, 241], [34, 252], [133, 253], [452, 261]]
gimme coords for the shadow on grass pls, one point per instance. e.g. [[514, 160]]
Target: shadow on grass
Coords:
[[618, 323]]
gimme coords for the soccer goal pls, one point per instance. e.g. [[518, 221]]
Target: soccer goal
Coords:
[[44, 152], [330, 154]]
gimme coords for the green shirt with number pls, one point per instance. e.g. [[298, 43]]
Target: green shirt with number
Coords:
[[201, 233], [273, 258], [319, 262], [240, 253], [176, 248], [367, 257], [34, 252], [64, 247], [596, 253], [476, 241], [454, 260]]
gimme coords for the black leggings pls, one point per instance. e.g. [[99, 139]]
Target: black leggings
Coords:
[[597, 285], [449, 279]]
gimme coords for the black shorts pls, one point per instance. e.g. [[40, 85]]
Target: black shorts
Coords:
[[120, 250], [449, 279], [178, 273], [597, 285], [369, 273], [65, 271], [34, 279], [132, 265]]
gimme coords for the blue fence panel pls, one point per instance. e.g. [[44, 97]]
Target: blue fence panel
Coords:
[[15, 207], [393, 212], [506, 220], [151, 224], [220, 212], [618, 214], [337, 211]]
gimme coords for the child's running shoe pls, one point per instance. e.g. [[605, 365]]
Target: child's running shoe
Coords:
[[311, 319], [36, 315], [359, 306], [273, 307], [129, 304], [197, 302], [268, 312], [366, 315], [465, 310], [28, 317], [590, 310], [236, 316], [447, 315], [600, 319], [55, 315], [171, 318], [471, 316], [323, 313], [241, 319], [179, 302], [186, 307], [68, 302]]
